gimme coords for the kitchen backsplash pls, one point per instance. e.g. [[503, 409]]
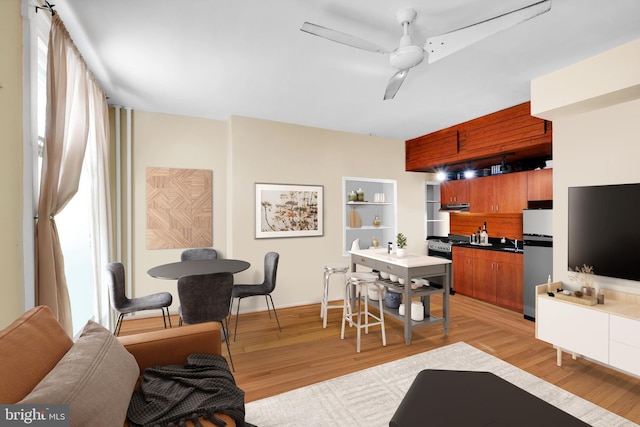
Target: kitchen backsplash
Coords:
[[498, 225]]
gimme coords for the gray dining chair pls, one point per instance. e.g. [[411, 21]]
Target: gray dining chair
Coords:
[[206, 298], [265, 288], [198, 253], [124, 305]]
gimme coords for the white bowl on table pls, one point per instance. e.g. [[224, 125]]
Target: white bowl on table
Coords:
[[384, 274], [393, 277], [401, 280]]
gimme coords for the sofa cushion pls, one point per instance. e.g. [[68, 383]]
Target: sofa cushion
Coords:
[[95, 378], [29, 348]]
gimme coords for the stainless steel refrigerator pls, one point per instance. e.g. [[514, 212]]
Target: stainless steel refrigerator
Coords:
[[537, 236]]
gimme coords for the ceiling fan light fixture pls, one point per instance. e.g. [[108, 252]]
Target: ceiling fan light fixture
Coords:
[[406, 57]]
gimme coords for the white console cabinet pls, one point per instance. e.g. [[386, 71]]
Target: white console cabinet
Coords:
[[624, 345], [607, 333]]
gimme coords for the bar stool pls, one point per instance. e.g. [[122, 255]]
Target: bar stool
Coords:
[[358, 281], [330, 269]]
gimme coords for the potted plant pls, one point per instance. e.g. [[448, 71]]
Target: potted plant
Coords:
[[401, 244]]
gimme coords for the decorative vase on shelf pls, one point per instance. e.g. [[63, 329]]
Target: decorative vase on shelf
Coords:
[[360, 195], [353, 196], [354, 219], [376, 221]]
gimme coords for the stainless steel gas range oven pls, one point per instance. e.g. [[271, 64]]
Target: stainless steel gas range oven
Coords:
[[441, 247]]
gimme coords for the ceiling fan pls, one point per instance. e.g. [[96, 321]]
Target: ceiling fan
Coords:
[[407, 55]]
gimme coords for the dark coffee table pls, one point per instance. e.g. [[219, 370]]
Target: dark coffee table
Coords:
[[470, 398]]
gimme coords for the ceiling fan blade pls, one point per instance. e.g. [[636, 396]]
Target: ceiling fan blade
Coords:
[[394, 83], [445, 44], [343, 38]]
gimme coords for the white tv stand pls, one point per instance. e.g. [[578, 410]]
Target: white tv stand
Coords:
[[607, 333]]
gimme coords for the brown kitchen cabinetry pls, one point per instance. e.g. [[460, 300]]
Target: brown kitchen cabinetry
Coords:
[[484, 280], [540, 185], [454, 192], [499, 194], [480, 142], [462, 259], [497, 278]]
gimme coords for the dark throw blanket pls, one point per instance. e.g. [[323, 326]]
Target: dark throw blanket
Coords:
[[169, 395]]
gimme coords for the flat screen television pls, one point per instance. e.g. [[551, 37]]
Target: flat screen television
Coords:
[[604, 229]]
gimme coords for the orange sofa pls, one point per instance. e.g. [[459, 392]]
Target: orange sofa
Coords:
[[35, 343]]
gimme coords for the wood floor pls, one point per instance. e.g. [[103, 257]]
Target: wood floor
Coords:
[[270, 362]]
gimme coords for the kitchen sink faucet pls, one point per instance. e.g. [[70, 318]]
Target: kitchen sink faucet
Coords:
[[515, 242]]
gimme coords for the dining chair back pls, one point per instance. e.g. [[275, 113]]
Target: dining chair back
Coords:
[[198, 253], [265, 288], [206, 298], [124, 305]]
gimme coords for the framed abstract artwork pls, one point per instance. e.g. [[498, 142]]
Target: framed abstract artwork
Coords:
[[289, 210]]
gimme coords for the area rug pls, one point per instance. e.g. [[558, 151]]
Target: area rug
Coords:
[[370, 397]]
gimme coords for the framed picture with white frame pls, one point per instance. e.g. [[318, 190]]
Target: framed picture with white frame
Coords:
[[289, 210]]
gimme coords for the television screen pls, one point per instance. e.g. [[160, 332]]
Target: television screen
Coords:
[[604, 230]]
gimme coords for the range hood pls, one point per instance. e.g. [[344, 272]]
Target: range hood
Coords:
[[455, 207]]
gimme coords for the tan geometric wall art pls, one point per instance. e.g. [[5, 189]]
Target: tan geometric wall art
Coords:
[[179, 208]]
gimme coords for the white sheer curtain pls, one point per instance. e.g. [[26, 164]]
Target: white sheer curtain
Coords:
[[76, 109], [97, 163]]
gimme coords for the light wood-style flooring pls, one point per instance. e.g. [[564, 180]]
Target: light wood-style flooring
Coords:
[[270, 362]]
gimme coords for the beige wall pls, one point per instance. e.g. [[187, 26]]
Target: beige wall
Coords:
[[161, 140], [595, 109], [11, 303], [272, 152], [244, 151]]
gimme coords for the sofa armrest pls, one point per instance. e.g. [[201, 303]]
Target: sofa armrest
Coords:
[[172, 346]]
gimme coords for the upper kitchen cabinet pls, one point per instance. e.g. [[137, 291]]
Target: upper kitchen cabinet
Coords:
[[499, 194], [540, 184], [453, 192], [443, 144], [512, 133]]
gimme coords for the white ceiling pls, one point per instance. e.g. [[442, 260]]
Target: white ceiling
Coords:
[[214, 58]]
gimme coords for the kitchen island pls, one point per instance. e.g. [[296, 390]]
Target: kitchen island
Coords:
[[412, 266]]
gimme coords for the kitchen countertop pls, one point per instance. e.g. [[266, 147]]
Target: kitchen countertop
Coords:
[[499, 247], [410, 260]]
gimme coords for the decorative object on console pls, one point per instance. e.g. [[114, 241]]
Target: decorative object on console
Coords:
[[587, 279], [376, 221]]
